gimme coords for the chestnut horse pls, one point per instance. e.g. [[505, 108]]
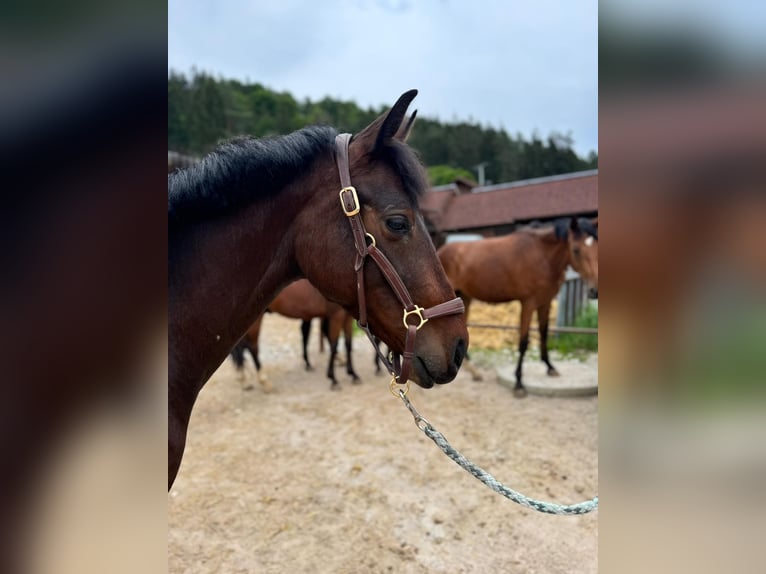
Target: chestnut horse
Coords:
[[527, 265], [257, 214], [301, 300]]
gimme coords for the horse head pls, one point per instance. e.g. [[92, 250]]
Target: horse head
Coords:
[[388, 178], [583, 250]]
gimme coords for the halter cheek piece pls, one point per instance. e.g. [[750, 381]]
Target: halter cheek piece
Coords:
[[414, 315]]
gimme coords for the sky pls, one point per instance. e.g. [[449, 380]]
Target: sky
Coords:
[[528, 67]]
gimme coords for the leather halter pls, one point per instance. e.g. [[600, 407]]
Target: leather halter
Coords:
[[414, 315]]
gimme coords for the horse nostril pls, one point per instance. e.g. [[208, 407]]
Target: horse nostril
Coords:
[[459, 355], [593, 293]]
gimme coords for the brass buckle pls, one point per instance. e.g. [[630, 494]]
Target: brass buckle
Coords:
[[354, 211], [395, 387], [418, 310]]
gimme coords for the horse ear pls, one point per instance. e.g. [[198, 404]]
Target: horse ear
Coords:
[[404, 132], [574, 226], [589, 227], [394, 119]]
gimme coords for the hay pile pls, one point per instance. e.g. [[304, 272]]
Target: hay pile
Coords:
[[501, 314]]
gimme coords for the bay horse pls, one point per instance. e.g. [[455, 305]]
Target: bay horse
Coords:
[[257, 214], [527, 265], [301, 300]]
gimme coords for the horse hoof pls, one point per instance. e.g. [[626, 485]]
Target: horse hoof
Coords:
[[553, 373], [248, 387], [335, 387], [519, 392], [356, 381], [309, 368]]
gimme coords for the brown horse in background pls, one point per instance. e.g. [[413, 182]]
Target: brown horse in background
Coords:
[[301, 300], [527, 265]]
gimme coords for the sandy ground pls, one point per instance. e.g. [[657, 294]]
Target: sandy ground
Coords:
[[309, 480]]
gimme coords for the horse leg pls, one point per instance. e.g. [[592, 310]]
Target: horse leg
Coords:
[[253, 346], [387, 354], [543, 313], [526, 318], [331, 365], [341, 326], [238, 356], [348, 331], [468, 364], [378, 362], [305, 331], [266, 385], [332, 339], [377, 359]]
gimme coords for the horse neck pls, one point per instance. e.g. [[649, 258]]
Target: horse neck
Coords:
[[231, 269], [558, 257]]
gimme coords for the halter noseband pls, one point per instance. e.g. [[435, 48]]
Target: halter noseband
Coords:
[[351, 208]]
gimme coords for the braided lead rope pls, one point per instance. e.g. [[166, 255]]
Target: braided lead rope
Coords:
[[488, 479]]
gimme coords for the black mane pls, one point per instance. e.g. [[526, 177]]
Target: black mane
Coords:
[[588, 227], [561, 228], [240, 170]]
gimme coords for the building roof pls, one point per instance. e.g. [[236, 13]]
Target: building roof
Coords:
[[507, 203]]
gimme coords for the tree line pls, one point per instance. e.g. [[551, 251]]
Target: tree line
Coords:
[[202, 110]]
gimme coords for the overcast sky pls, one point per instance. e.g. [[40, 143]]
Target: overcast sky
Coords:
[[523, 66]]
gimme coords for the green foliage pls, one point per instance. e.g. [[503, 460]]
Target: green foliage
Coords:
[[573, 343], [207, 117], [203, 110], [443, 174], [179, 103]]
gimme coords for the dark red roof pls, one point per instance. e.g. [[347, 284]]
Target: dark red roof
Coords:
[[502, 204]]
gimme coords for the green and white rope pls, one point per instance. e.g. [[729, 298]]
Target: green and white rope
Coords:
[[488, 479]]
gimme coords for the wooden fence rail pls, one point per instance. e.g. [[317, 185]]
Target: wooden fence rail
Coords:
[[576, 330]]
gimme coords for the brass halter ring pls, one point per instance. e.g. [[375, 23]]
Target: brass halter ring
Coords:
[[395, 387], [418, 310]]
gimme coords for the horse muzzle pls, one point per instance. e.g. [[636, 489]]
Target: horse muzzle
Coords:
[[428, 370]]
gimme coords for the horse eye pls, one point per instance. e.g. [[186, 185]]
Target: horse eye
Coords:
[[576, 250], [398, 224]]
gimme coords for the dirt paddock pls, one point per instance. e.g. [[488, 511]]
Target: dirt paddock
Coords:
[[309, 480]]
